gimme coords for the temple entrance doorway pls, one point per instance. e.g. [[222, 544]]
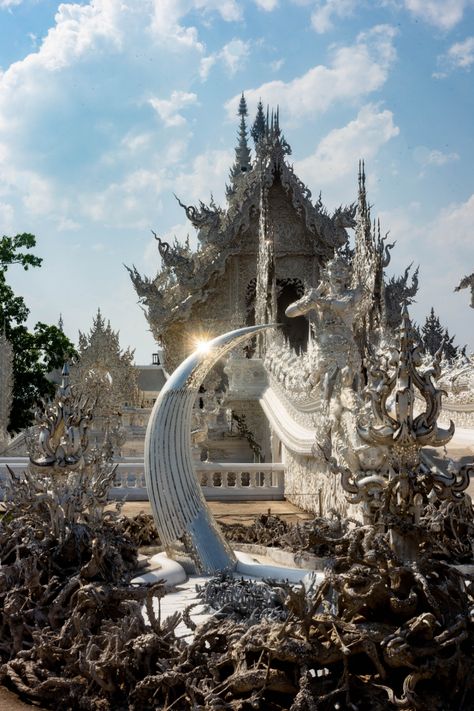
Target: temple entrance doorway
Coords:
[[294, 329]]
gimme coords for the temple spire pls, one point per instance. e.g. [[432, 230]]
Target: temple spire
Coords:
[[259, 125], [242, 152], [364, 232], [242, 163], [363, 209]]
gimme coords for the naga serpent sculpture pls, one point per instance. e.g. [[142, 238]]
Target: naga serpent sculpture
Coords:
[[176, 498]]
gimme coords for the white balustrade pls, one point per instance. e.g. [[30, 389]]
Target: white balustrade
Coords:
[[226, 481], [220, 481]]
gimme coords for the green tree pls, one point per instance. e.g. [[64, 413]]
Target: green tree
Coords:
[[433, 336], [36, 352]]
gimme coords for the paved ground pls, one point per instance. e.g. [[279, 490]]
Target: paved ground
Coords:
[[10, 702], [234, 511]]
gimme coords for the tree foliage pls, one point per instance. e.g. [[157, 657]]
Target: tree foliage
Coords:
[[434, 336], [36, 352]]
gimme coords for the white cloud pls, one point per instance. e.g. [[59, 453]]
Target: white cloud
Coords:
[[134, 142], [444, 14], [229, 10], [459, 56], [206, 65], [436, 157], [135, 200], [277, 64], [324, 14], [79, 30], [456, 221], [6, 217], [354, 71], [168, 109], [66, 224], [166, 27], [167, 15], [233, 56], [267, 5], [6, 4], [338, 153], [126, 203], [428, 157], [205, 176]]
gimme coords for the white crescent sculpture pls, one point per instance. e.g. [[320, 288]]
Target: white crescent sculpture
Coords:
[[176, 498]]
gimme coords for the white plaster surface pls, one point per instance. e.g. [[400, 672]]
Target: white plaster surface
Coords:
[[163, 568], [251, 566]]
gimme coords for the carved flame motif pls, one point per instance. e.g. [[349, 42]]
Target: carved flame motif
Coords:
[[397, 497], [399, 427]]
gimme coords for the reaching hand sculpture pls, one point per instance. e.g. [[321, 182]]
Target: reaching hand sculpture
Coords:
[[465, 283], [176, 498]]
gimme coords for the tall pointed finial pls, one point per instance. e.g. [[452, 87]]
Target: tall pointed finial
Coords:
[[242, 106], [242, 162], [258, 128], [361, 176], [61, 323], [363, 209]]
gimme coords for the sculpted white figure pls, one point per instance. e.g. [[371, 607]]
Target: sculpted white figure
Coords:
[[334, 304]]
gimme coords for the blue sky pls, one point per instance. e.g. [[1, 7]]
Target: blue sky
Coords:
[[108, 107]]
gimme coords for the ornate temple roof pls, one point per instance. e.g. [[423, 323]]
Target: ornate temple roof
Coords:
[[185, 275]]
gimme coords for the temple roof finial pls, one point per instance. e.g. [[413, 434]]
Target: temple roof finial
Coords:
[[242, 162], [361, 176], [242, 106], [259, 126], [363, 209]]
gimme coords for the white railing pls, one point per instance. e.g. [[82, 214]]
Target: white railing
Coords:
[[224, 481], [129, 482], [220, 481]]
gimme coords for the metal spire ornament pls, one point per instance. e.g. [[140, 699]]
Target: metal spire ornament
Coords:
[[62, 439], [396, 389]]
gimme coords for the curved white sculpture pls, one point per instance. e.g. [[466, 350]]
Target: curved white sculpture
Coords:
[[176, 499]]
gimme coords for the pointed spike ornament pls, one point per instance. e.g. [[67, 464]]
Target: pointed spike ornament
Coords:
[[259, 126], [242, 106], [242, 162]]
